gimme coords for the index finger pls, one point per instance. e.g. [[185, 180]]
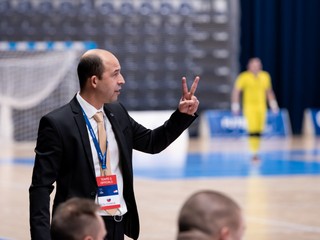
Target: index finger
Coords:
[[184, 87], [194, 85]]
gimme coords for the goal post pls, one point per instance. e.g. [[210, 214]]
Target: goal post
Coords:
[[35, 78]]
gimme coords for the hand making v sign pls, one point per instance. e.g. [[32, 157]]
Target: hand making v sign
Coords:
[[188, 102]]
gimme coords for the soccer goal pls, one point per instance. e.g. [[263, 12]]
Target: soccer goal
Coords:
[[32, 83]]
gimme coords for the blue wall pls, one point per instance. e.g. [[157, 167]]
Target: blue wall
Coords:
[[285, 34]]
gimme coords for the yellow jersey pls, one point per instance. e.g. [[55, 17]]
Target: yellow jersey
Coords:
[[253, 89]]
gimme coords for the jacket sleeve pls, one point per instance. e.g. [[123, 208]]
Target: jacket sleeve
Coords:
[[156, 140], [47, 161]]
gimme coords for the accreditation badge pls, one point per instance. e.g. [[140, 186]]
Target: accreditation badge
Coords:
[[108, 194]]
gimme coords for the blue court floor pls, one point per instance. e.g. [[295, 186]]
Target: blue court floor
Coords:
[[224, 164], [279, 193], [220, 164]]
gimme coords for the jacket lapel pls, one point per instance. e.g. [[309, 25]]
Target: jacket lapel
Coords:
[[79, 119], [120, 137]]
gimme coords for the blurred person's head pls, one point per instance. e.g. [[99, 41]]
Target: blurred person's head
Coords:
[[254, 65], [210, 215], [78, 219]]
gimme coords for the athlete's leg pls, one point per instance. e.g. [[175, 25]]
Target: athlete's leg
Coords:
[[256, 122]]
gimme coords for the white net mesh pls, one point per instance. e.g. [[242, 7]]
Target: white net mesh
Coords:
[[32, 84]]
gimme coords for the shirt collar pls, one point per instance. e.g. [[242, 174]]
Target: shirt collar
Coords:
[[87, 107]]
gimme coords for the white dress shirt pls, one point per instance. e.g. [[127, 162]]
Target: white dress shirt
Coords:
[[112, 145]]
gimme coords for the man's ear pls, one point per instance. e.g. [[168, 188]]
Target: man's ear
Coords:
[[224, 233], [93, 81]]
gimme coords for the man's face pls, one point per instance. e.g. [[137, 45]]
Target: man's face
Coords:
[[109, 86], [254, 66]]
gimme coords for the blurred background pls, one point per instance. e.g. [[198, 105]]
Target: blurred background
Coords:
[[158, 42]]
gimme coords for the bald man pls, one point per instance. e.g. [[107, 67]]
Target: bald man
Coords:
[[70, 151], [210, 215]]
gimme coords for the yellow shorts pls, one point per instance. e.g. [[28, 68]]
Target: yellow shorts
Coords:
[[256, 119]]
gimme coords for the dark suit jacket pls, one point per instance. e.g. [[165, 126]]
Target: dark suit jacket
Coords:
[[63, 155]]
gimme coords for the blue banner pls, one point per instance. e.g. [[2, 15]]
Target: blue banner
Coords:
[[315, 116], [46, 45], [224, 124]]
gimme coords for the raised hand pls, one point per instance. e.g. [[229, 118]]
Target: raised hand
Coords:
[[189, 103]]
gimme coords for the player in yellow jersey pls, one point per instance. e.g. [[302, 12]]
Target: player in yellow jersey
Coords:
[[256, 88]]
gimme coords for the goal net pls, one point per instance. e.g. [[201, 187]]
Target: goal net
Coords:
[[32, 83]]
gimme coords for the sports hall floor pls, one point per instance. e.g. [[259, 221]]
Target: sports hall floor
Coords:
[[279, 195]]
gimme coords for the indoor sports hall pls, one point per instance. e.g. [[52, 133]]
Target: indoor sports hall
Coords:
[[158, 42]]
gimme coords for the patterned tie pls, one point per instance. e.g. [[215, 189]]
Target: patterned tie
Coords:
[[102, 138]]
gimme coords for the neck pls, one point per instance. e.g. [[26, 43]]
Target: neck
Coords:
[[91, 100]]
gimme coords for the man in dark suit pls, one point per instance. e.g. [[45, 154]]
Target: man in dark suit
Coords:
[[67, 152]]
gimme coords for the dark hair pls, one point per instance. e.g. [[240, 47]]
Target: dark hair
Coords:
[[89, 66], [74, 219]]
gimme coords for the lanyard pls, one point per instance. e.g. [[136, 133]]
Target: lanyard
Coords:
[[101, 156]]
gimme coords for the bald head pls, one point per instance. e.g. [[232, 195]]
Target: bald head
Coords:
[[100, 77], [97, 52], [205, 213], [93, 62]]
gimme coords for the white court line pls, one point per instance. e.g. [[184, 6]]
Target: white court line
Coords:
[[292, 226]]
